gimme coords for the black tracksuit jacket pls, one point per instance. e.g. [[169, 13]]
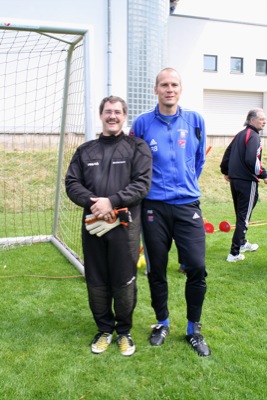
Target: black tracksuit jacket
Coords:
[[242, 158], [120, 168], [117, 167]]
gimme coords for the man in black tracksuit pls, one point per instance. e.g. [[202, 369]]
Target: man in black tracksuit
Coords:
[[241, 166], [106, 175]]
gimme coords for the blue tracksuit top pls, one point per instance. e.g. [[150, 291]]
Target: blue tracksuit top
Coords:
[[178, 149]]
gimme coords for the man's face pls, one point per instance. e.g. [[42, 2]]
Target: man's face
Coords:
[[112, 119], [168, 88], [260, 121]]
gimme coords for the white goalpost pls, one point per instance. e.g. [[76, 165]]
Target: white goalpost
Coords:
[[46, 111]]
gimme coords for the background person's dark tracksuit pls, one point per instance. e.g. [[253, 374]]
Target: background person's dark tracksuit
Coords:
[[242, 163]]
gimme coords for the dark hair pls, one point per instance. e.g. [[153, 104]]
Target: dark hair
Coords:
[[252, 114], [113, 99]]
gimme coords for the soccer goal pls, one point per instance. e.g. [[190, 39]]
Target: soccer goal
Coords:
[[46, 111]]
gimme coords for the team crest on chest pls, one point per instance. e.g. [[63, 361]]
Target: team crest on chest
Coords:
[[182, 133], [182, 137]]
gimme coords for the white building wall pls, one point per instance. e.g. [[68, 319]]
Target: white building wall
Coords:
[[190, 38]]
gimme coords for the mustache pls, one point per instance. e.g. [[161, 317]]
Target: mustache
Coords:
[[113, 120]]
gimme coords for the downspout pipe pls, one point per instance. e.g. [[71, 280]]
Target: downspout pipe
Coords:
[[109, 49]]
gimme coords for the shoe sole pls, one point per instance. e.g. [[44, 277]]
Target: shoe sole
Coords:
[[128, 352], [97, 351], [236, 260], [157, 344], [251, 251]]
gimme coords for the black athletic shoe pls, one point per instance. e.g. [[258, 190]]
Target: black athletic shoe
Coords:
[[197, 341], [158, 334]]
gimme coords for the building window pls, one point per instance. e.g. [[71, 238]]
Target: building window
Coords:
[[237, 65], [210, 63], [261, 67]]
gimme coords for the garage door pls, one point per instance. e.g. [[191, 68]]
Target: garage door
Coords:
[[225, 111]]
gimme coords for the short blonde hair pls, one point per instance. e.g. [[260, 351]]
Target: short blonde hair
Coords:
[[166, 69]]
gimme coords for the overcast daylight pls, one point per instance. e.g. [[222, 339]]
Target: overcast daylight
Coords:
[[133, 201]]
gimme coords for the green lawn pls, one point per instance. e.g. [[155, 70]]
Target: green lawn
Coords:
[[46, 325], [46, 328]]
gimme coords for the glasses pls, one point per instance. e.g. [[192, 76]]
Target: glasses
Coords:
[[118, 113]]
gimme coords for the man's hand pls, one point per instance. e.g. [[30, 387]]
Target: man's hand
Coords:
[[226, 177], [102, 208]]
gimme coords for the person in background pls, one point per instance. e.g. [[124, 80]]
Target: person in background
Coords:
[[171, 210], [241, 166], [109, 177]]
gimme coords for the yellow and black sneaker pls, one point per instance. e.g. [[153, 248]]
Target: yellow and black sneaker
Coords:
[[101, 342], [126, 344]]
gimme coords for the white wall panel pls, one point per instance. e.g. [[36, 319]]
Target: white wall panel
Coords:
[[225, 111]]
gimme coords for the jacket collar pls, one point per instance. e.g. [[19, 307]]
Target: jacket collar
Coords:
[[178, 111], [253, 128], [110, 139]]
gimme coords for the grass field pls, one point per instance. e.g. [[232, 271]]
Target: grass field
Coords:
[[46, 325]]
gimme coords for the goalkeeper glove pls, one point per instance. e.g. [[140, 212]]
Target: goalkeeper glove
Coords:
[[99, 227]]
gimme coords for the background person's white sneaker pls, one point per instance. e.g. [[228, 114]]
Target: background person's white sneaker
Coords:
[[238, 257], [249, 247]]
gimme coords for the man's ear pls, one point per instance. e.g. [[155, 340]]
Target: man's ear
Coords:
[[155, 90]]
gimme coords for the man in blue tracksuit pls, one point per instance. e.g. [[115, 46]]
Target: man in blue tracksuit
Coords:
[[171, 210]]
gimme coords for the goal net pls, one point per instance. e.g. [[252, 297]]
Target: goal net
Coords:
[[45, 113]]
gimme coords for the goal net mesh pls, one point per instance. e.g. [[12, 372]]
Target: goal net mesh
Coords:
[[42, 121]]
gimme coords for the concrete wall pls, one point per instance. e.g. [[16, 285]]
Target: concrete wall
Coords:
[[42, 141]]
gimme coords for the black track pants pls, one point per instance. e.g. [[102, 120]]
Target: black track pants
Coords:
[[110, 271], [245, 197], [161, 224]]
